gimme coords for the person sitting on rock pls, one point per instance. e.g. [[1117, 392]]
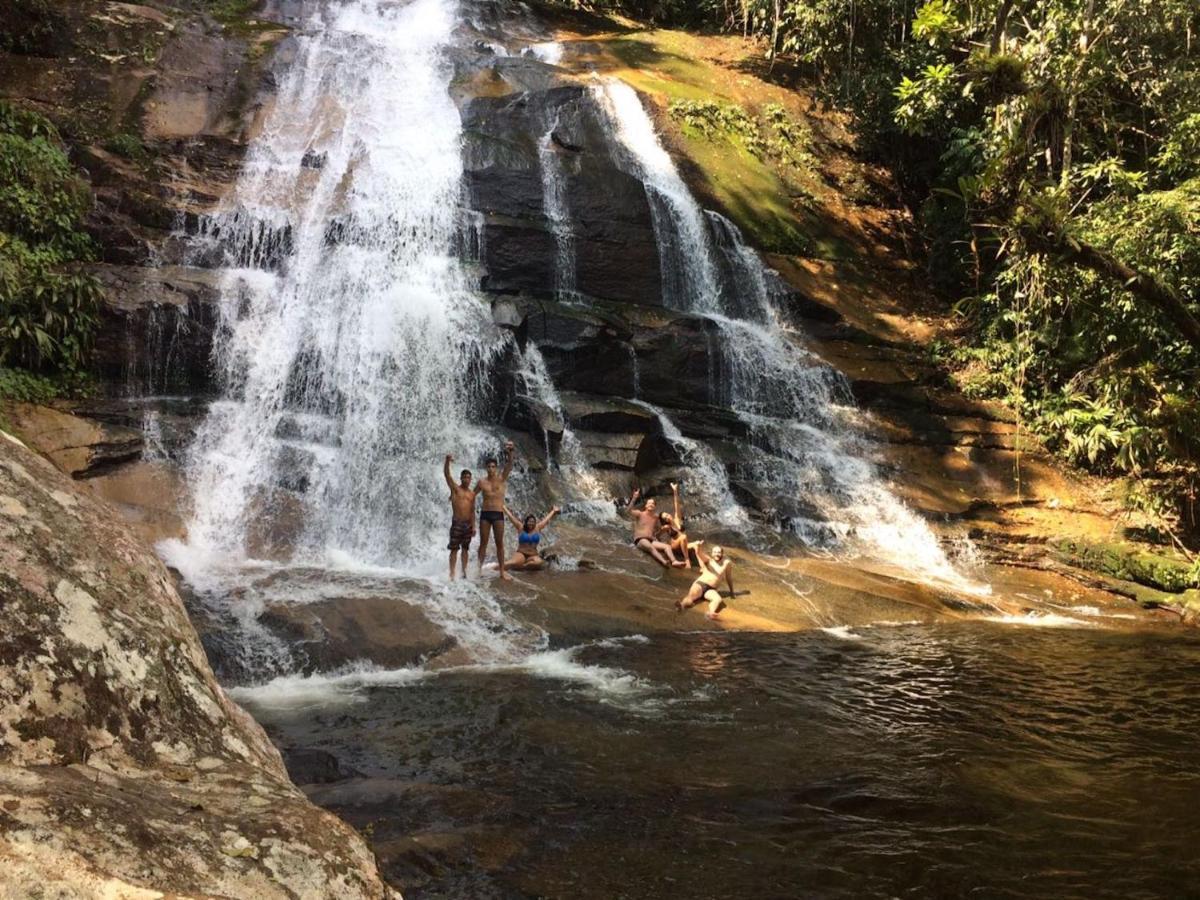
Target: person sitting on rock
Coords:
[[645, 524], [671, 533], [712, 570], [462, 521], [529, 537]]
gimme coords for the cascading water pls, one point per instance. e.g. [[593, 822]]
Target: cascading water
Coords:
[[680, 227], [353, 350], [554, 199], [707, 477], [800, 450], [583, 491], [360, 359]]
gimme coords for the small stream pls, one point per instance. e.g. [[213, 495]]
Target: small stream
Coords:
[[949, 760]]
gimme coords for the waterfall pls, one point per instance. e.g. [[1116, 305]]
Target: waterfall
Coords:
[[707, 477], [799, 450], [353, 351], [690, 278], [584, 492], [554, 200]]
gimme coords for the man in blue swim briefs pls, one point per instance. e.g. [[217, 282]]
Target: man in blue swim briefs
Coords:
[[494, 486], [462, 522]]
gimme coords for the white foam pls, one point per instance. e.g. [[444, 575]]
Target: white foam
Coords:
[[547, 51], [352, 683], [348, 685], [842, 632], [1035, 619]]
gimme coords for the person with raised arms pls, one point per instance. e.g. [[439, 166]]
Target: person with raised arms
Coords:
[[494, 487], [712, 570], [671, 533], [645, 526], [462, 515], [528, 557]]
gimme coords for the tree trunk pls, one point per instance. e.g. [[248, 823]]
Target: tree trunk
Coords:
[[1001, 26], [1141, 284], [774, 34]]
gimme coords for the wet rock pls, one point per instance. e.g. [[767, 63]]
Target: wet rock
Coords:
[[388, 631], [124, 768], [612, 233], [79, 447], [610, 451], [591, 412], [309, 765], [156, 328]]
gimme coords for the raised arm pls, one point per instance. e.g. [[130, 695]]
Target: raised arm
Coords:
[[548, 519], [510, 455], [517, 523], [446, 472], [633, 498], [678, 509]]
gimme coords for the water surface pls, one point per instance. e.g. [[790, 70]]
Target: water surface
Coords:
[[946, 760]]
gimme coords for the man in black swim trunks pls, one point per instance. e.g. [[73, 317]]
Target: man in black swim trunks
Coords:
[[494, 486], [462, 525]]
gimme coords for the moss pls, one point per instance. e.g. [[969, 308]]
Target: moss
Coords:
[[751, 158], [1129, 563]]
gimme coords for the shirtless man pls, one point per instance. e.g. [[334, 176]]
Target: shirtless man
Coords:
[[645, 525], [491, 518], [462, 523], [712, 570]]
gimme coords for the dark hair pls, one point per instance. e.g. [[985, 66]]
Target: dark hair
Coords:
[[525, 524], [464, 472], [491, 461]]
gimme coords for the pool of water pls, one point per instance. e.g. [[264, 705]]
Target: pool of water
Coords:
[[949, 760]]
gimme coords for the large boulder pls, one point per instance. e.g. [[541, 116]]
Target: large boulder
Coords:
[[81, 447], [125, 771]]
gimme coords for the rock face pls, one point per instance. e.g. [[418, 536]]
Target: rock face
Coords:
[[124, 768]]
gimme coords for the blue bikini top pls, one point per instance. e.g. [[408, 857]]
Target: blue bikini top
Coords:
[[529, 537]]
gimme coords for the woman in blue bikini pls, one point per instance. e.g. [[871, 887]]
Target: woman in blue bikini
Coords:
[[529, 537]]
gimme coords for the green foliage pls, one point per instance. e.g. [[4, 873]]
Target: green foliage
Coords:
[[25, 387], [724, 121], [129, 146], [788, 140], [778, 135], [47, 307]]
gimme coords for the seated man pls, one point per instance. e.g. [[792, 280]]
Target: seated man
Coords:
[[645, 524]]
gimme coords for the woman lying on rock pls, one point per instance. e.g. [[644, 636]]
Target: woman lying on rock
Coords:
[[712, 570], [529, 537]]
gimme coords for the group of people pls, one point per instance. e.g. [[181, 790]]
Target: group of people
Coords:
[[494, 488], [659, 534], [662, 536]]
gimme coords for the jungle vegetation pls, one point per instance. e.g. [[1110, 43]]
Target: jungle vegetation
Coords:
[[1050, 154]]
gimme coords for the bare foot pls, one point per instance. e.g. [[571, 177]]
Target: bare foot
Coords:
[[678, 564], [711, 615], [678, 606], [504, 576]]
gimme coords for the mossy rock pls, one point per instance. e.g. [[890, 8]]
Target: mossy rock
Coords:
[[1129, 563]]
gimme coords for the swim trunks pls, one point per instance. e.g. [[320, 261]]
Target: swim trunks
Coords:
[[460, 534], [491, 515]]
